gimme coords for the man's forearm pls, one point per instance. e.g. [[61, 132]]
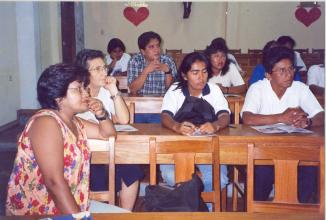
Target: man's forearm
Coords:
[[138, 83]]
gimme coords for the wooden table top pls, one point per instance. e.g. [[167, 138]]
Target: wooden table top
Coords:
[[191, 216]]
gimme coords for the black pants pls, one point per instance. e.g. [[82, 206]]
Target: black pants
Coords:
[[264, 180]]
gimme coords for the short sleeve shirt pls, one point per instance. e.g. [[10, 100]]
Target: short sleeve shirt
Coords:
[[316, 76], [261, 99], [231, 78], [154, 83], [121, 65], [174, 98]]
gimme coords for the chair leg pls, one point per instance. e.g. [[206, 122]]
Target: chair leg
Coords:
[[235, 189], [224, 199]]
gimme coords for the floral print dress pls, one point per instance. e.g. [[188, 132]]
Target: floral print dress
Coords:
[[27, 193]]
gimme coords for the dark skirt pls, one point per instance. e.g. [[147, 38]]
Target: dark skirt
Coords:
[[128, 173]]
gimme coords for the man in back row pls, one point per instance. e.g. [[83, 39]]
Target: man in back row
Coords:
[[150, 72]]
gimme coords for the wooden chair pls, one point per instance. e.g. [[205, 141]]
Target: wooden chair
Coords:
[[286, 160], [99, 149], [173, 52], [255, 51], [301, 51], [184, 152], [131, 109], [122, 83], [235, 51], [199, 51]]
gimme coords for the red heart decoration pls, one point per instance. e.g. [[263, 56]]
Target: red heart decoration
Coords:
[[136, 17], [307, 18]]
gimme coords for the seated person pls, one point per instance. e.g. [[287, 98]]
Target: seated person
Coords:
[[50, 175], [150, 72], [316, 79], [117, 58], [103, 88], [191, 104], [279, 99], [288, 41], [229, 56], [224, 73], [259, 72]]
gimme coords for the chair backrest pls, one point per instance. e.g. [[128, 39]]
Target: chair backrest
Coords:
[[286, 159], [199, 50], [255, 51], [234, 51], [102, 152], [172, 52], [122, 83], [184, 153], [302, 50], [131, 109]]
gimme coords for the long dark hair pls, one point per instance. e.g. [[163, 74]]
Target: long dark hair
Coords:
[[214, 47], [185, 66]]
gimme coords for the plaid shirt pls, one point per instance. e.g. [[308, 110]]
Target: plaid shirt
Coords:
[[154, 83]]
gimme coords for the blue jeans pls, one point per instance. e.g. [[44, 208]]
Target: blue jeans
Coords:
[[167, 172]]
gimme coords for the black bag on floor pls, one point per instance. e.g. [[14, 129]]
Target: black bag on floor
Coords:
[[184, 198]]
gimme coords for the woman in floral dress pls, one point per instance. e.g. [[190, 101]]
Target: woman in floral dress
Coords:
[[51, 170]]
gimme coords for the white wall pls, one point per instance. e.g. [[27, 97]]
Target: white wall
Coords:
[[246, 25], [30, 40], [105, 20], [9, 86]]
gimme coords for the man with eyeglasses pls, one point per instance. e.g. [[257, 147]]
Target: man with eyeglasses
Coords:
[[279, 99]]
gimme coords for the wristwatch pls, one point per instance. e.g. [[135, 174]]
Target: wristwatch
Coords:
[[114, 96], [104, 117]]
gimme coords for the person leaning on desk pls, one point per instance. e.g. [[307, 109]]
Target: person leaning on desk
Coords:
[[279, 99], [191, 105]]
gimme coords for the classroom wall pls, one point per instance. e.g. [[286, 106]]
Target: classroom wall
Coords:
[[9, 85], [43, 47], [243, 24]]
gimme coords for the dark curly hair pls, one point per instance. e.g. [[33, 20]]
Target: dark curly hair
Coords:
[[275, 55], [218, 46], [185, 66], [54, 81], [146, 37]]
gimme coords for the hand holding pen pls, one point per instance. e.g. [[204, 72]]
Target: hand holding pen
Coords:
[[187, 128]]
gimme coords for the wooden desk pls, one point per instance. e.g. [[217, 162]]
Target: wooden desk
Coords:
[[153, 104], [190, 216], [207, 216], [133, 147]]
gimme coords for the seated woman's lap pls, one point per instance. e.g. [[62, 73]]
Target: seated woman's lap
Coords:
[[128, 173]]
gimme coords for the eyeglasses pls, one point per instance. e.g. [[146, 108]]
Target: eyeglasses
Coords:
[[100, 68], [283, 71], [79, 89]]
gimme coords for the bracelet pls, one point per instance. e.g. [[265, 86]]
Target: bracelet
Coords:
[[115, 96], [104, 117]]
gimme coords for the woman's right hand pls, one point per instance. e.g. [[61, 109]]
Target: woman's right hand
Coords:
[[111, 85], [186, 128], [96, 107]]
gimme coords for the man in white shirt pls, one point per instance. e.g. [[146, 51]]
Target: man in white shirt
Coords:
[[279, 99]]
